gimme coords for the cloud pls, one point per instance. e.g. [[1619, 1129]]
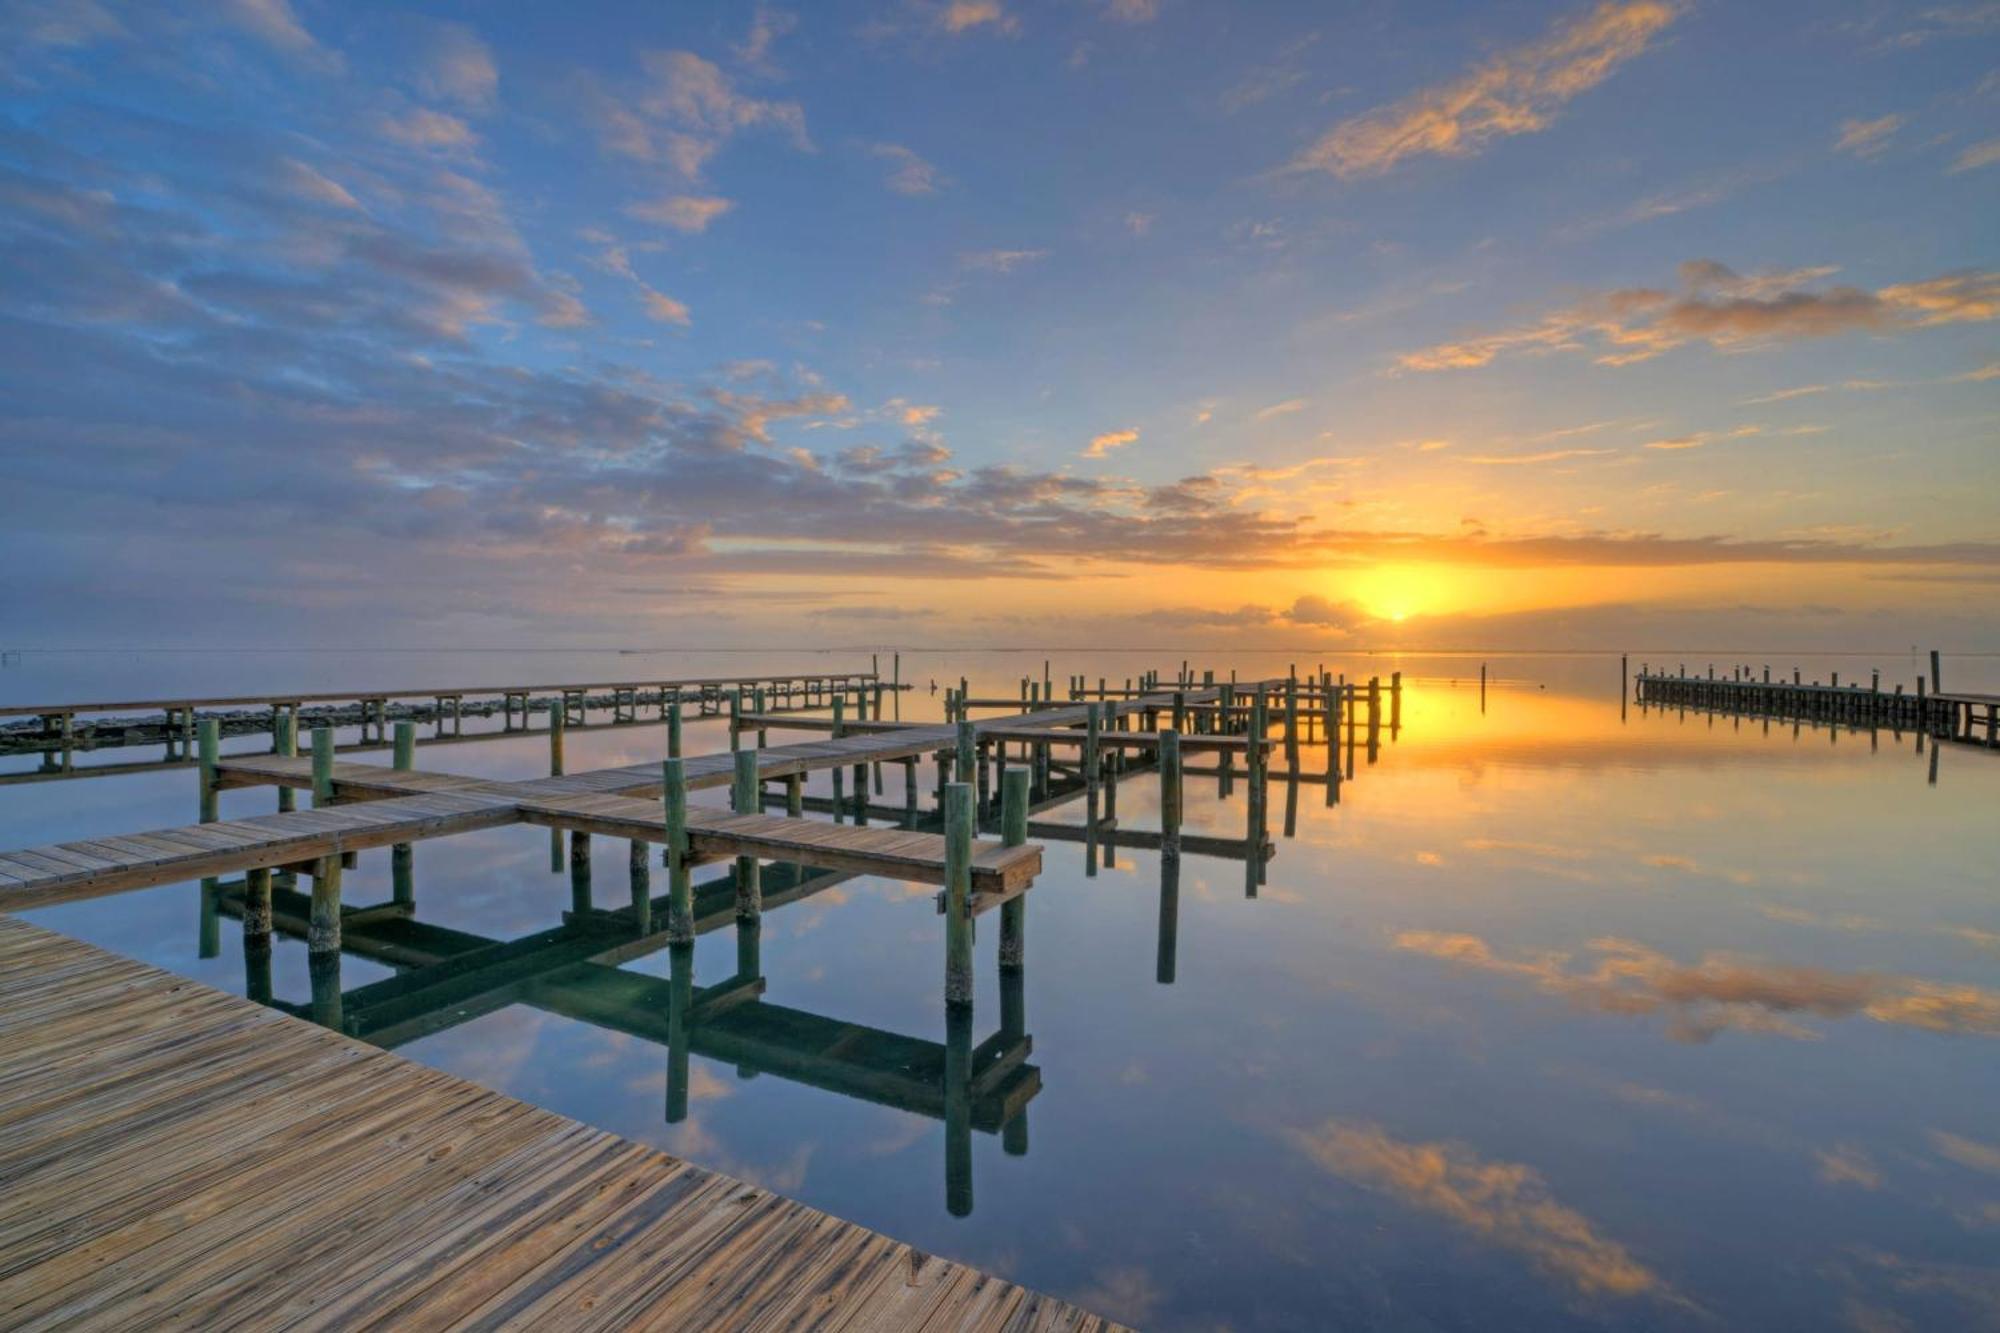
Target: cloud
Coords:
[[1726, 310], [308, 184], [1700, 438], [960, 16], [1867, 138], [999, 261], [1100, 445], [766, 27], [422, 127], [910, 174], [1133, 11], [1721, 992], [1529, 460], [665, 309], [1516, 92], [277, 24], [1967, 1152], [459, 67], [1507, 1204], [1315, 610], [1284, 409], [1978, 155], [1847, 1164], [684, 112], [682, 212]]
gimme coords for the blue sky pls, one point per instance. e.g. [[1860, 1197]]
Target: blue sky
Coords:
[[983, 321]]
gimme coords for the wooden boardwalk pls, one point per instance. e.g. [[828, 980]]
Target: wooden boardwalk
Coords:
[[174, 1157]]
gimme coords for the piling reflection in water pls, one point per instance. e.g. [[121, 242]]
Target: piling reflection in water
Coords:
[[447, 977]]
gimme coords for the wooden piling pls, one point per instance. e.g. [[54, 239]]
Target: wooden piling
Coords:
[[323, 926], [1170, 793], [680, 879], [322, 772], [1014, 832], [958, 895], [744, 800]]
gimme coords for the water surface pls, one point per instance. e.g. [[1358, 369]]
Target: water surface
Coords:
[[1567, 1015]]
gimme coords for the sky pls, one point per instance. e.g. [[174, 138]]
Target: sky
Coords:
[[988, 322]]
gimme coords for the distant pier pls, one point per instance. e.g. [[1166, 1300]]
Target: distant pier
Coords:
[[1972, 719]]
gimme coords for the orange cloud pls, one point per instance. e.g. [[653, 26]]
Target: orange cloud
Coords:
[[1506, 1203], [1724, 309], [1722, 993], [1517, 92], [1112, 439]]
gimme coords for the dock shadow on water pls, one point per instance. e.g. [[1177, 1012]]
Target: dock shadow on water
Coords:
[[1520, 993]]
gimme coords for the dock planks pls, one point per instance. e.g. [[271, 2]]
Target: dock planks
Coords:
[[178, 1157]]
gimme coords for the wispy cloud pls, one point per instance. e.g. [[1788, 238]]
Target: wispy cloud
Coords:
[[1528, 460], [1283, 409], [1516, 92], [459, 67], [1726, 310], [959, 16], [1112, 439], [1507, 1204], [421, 127], [998, 261], [1977, 156], [1867, 138], [909, 173], [1723, 992], [682, 212]]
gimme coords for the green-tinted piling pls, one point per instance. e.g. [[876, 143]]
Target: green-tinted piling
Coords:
[[579, 872], [322, 788], [958, 894], [743, 799], [680, 879], [323, 927], [1014, 832], [680, 998], [958, 1110]]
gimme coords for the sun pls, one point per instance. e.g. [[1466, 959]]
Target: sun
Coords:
[[1397, 592]]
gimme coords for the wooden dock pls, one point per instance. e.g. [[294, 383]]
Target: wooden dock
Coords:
[[1968, 718], [175, 1157], [63, 728]]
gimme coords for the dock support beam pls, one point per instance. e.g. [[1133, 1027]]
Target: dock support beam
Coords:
[[680, 885], [744, 800], [1014, 832], [958, 895]]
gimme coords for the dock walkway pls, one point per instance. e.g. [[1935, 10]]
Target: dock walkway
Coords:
[[175, 1157]]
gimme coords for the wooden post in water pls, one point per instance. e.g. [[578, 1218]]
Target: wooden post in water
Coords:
[[1395, 702], [579, 872], [744, 800], [641, 868], [958, 1108], [322, 788], [1168, 947], [323, 926], [208, 755], [1937, 681], [402, 855], [1170, 793], [839, 780], [680, 880], [1014, 832], [558, 715], [1292, 721], [288, 748], [958, 895], [680, 998]]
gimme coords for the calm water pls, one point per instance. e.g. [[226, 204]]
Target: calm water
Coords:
[[1562, 1017]]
